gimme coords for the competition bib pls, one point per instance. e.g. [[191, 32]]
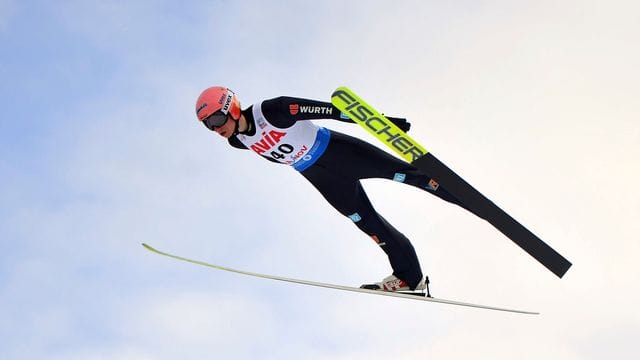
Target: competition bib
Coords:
[[299, 145]]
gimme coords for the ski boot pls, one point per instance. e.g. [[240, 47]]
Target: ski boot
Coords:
[[394, 284]]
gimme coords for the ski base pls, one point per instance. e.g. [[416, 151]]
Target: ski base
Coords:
[[404, 295]]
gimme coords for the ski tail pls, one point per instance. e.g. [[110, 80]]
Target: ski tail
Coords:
[[377, 124]]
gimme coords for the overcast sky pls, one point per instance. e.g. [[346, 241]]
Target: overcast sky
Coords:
[[535, 103]]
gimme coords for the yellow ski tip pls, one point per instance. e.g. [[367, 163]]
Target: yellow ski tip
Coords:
[[149, 247]]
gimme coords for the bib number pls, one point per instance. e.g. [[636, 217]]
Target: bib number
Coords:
[[283, 150]]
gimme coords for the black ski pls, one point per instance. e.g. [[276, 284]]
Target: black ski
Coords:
[[486, 209], [409, 149]]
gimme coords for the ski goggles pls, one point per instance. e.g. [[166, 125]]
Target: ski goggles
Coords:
[[215, 120]]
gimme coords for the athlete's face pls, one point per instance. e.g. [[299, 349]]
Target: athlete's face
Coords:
[[226, 130]]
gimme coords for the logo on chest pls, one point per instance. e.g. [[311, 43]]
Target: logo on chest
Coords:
[[268, 140]]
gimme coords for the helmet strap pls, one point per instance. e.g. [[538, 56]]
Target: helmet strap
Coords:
[[237, 127]]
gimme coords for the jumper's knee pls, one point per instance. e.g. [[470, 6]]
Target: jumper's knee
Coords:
[[371, 224]]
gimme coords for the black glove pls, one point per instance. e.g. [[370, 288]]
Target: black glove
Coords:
[[400, 122]]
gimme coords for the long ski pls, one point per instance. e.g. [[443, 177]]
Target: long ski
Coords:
[[409, 296], [396, 139]]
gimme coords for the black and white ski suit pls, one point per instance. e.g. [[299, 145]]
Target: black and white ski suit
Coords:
[[335, 163]]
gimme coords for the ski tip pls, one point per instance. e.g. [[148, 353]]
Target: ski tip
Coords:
[[148, 247], [340, 89]]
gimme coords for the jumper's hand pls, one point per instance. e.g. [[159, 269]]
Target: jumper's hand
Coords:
[[400, 122]]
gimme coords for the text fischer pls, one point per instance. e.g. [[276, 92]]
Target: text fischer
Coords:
[[386, 130]]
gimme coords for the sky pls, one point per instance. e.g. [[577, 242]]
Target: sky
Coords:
[[535, 103]]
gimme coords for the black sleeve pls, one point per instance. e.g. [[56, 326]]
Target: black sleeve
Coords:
[[284, 111]]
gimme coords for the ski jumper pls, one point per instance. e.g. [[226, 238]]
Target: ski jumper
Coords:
[[335, 163]]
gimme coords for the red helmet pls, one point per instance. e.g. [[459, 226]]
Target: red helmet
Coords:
[[217, 98]]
